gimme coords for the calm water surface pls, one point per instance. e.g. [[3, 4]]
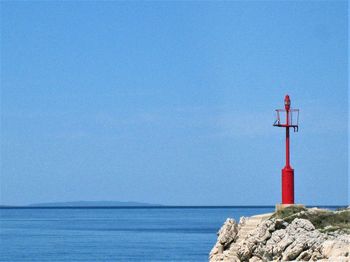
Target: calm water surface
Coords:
[[113, 234]]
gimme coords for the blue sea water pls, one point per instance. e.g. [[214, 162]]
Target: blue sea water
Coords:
[[113, 234]]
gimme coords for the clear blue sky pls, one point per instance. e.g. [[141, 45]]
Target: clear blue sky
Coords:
[[172, 102]]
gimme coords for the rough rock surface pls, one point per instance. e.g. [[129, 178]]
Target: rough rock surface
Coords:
[[274, 239]]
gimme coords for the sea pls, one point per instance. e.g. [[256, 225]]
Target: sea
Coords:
[[113, 233]]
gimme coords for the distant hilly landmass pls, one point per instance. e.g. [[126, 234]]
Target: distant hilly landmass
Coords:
[[92, 204]]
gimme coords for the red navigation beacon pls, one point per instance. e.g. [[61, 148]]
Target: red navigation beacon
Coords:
[[287, 118]]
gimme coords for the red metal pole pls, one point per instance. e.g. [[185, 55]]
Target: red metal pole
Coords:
[[287, 171], [287, 142]]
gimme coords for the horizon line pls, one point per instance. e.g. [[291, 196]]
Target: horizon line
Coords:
[[155, 206]]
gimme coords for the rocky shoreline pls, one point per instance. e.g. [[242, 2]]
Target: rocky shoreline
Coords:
[[294, 234]]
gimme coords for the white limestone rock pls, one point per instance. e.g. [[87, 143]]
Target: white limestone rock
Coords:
[[276, 240], [227, 232], [226, 235], [336, 248]]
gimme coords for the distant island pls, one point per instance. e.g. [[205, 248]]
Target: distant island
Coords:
[[88, 204]]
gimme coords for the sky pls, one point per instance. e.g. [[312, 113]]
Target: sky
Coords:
[[172, 102]]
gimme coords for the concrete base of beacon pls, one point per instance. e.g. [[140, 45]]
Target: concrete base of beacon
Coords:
[[283, 206]]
